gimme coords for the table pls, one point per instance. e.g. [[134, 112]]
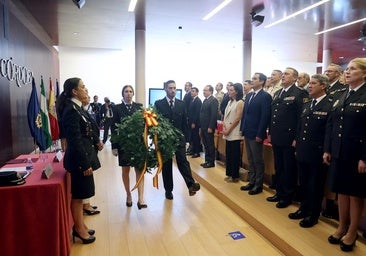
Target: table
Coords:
[[35, 218]]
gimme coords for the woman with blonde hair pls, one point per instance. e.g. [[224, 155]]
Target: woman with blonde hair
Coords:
[[345, 152]]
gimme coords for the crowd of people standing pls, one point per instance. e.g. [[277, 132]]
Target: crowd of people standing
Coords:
[[315, 124]]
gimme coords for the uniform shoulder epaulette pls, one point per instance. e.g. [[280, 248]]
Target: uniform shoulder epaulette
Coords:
[[338, 90]]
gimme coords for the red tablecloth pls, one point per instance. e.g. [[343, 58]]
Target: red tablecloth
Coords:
[[35, 218]]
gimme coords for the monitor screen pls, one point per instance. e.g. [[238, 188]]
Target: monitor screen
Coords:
[[159, 93]]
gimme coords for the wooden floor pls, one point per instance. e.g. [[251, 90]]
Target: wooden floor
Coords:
[[197, 225]]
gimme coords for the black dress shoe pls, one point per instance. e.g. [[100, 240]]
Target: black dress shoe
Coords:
[[283, 203], [299, 214], [255, 191], [308, 222], [140, 206], [274, 198], [195, 155], [247, 187], [208, 165], [194, 188], [169, 195], [203, 163]]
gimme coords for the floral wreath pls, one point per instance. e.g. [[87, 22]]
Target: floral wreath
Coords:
[[147, 141]]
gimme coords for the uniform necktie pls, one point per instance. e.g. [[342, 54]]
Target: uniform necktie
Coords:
[[128, 106], [281, 93], [313, 104], [350, 92], [171, 104]]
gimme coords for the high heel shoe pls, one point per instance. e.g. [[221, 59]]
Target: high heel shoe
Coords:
[[88, 240], [140, 206], [334, 240], [348, 247], [91, 212], [91, 232], [128, 204]]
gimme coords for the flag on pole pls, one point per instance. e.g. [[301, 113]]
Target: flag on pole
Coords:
[[55, 132], [35, 119], [45, 119]]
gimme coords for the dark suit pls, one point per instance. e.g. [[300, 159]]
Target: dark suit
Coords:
[[80, 153], [107, 121], [254, 123], [345, 140], [335, 88], [224, 102], [121, 111], [194, 118], [309, 155], [178, 118], [208, 119], [286, 111]]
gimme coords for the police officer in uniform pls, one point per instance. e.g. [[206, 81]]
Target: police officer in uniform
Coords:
[[286, 110], [309, 151]]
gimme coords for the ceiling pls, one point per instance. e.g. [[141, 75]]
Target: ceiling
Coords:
[[108, 24]]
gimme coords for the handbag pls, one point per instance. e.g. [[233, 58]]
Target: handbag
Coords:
[[11, 178]]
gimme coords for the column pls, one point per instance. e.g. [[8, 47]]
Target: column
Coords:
[[140, 44]]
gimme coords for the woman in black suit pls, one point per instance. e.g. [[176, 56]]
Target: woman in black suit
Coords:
[[345, 151], [80, 156], [127, 108]]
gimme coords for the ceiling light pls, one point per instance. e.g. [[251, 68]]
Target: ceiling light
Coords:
[[132, 5], [217, 9], [297, 13], [341, 26]]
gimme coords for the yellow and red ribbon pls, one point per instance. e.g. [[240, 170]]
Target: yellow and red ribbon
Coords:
[[150, 120]]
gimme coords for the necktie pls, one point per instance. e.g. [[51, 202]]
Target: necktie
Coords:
[[350, 92], [251, 98], [313, 104], [128, 106], [281, 94], [171, 104]]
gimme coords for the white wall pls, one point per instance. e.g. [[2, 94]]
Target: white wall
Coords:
[[105, 72]]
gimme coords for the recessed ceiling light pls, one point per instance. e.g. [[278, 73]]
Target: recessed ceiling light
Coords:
[[341, 26], [216, 9], [75, 33], [297, 13], [132, 5]]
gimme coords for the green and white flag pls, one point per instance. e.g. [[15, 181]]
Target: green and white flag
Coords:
[[45, 118]]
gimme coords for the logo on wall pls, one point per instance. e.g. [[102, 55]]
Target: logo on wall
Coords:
[[12, 71]]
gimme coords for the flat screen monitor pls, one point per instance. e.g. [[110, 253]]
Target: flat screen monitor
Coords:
[[159, 93]]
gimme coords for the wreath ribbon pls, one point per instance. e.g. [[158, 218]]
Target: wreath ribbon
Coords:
[[150, 120]]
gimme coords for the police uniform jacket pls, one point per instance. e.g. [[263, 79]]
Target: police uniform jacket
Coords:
[[121, 111], [346, 136], [311, 131], [80, 153], [285, 116]]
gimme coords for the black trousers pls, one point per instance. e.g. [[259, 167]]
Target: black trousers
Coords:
[[195, 141], [312, 178], [209, 144], [107, 127], [183, 167], [286, 171], [233, 158]]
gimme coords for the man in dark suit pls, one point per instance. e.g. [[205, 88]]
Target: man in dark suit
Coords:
[[208, 120], [174, 110], [254, 124], [334, 72], [309, 151], [225, 100], [95, 105], [187, 100], [286, 110], [106, 112], [194, 122]]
